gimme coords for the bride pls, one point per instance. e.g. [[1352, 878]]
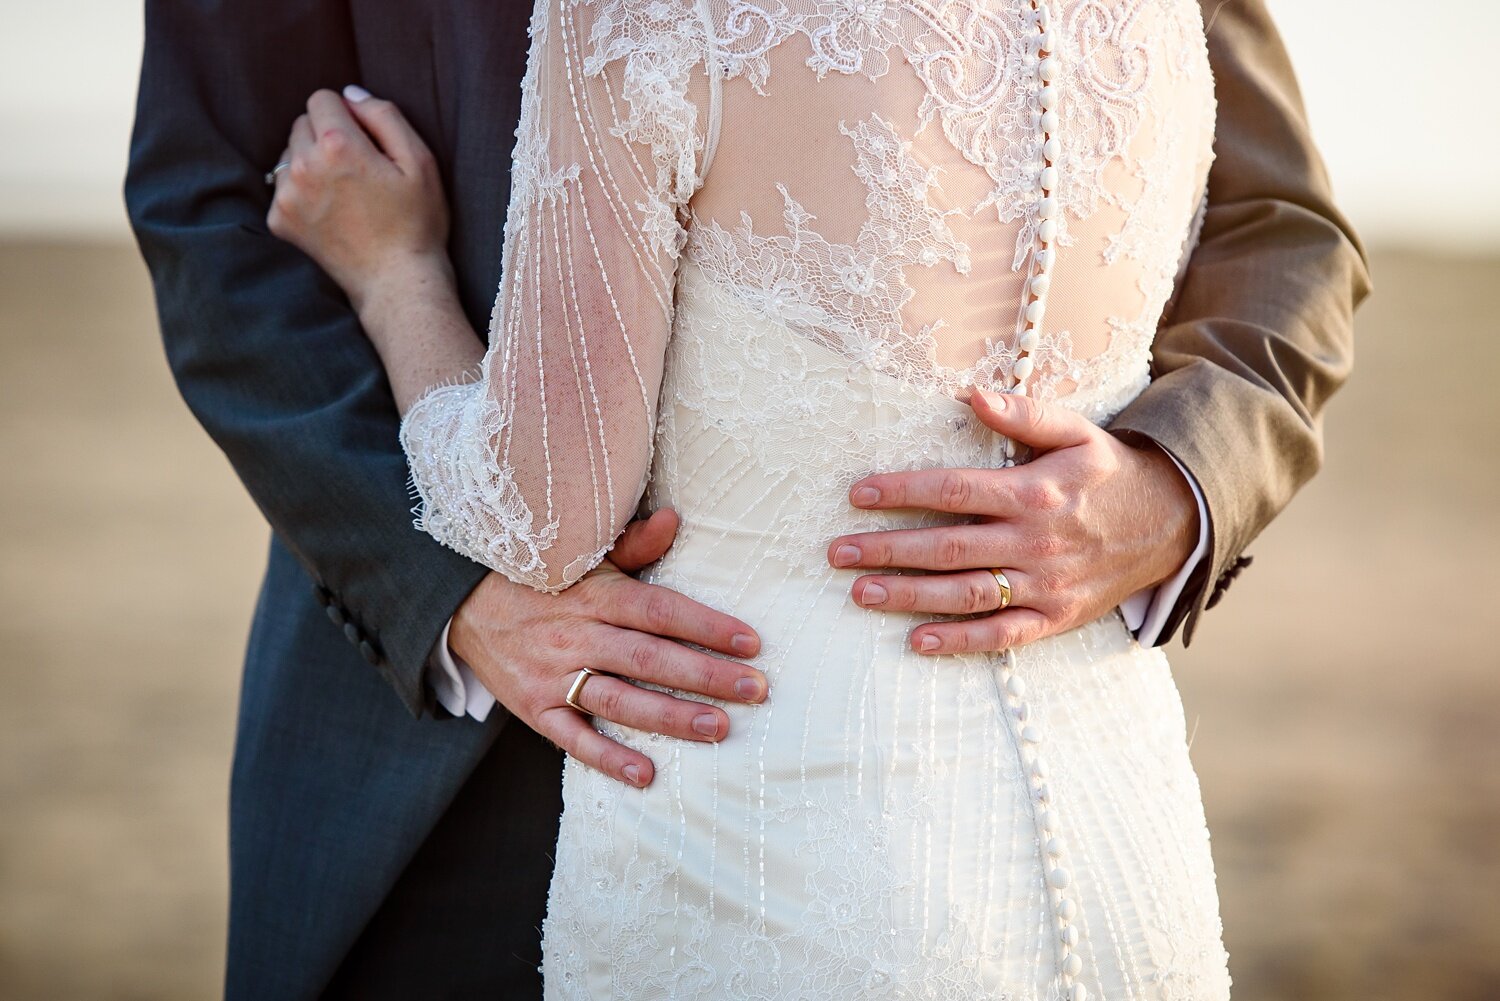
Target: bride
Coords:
[[756, 250]]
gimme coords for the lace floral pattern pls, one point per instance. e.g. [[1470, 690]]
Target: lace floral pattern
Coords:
[[895, 187], [850, 297]]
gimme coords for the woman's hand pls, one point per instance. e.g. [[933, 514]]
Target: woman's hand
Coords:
[[362, 196]]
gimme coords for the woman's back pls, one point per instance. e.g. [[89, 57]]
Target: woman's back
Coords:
[[893, 162], [849, 218], [924, 189]]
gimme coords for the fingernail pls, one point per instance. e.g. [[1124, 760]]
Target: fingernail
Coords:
[[742, 644], [930, 643], [873, 594], [846, 556], [354, 92], [706, 724], [633, 774], [748, 689], [865, 496], [995, 401]]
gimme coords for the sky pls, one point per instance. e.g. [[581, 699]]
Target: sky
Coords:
[[1411, 132]]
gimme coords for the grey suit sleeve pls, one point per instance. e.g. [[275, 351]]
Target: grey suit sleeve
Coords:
[[1261, 334], [264, 347]]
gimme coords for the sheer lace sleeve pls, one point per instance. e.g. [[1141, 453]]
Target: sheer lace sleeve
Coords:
[[534, 469]]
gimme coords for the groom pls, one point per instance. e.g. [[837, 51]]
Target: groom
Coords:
[[385, 842]]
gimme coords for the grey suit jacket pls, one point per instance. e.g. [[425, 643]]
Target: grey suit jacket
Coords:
[[338, 779]]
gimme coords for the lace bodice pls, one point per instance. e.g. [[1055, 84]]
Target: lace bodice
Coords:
[[944, 192]]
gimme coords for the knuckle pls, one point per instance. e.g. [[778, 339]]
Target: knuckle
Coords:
[[597, 593], [611, 759], [951, 550], [954, 490], [1046, 546], [610, 701], [674, 720], [708, 677], [1103, 458], [1052, 586], [900, 595], [1049, 496], [1022, 409], [557, 638], [1033, 414], [1030, 632], [644, 660], [1002, 637], [658, 612], [977, 595]]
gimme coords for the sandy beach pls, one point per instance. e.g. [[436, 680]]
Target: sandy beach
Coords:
[[1344, 699]]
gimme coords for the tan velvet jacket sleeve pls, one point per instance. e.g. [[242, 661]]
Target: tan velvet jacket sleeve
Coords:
[[1261, 332]]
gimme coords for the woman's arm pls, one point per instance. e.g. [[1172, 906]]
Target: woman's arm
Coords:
[[242, 314], [363, 198], [534, 468]]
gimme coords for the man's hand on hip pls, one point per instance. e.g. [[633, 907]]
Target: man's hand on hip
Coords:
[[527, 647], [1077, 530]]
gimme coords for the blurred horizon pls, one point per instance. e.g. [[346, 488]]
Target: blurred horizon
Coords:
[[1410, 165]]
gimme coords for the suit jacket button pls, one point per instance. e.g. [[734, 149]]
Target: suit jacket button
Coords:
[[335, 614], [352, 633], [368, 651]]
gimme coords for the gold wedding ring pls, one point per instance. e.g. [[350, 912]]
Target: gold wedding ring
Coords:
[[1004, 583], [574, 690]]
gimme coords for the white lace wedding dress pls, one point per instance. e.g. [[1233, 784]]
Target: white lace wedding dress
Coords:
[[773, 239]]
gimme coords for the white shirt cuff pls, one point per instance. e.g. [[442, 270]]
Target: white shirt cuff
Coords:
[[454, 683], [1146, 611]]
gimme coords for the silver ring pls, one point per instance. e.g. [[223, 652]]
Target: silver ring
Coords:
[[576, 689], [271, 175]]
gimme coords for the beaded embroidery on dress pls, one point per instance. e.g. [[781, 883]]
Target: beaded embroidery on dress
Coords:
[[755, 248]]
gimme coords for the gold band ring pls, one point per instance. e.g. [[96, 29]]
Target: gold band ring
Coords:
[[576, 689], [1004, 583]]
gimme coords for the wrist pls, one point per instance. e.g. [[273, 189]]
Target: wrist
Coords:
[[1174, 509], [399, 280], [486, 604]]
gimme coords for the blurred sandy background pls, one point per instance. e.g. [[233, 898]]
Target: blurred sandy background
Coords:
[[1345, 698]]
